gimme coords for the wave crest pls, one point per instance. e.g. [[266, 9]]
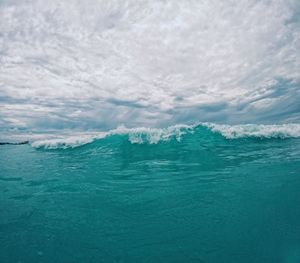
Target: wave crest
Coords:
[[144, 135]]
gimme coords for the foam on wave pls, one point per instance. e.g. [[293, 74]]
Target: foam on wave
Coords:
[[257, 130], [62, 143], [144, 135], [153, 135]]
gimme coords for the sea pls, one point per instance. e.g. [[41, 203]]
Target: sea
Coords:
[[186, 193]]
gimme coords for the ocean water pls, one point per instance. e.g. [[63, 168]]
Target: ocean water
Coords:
[[202, 193]]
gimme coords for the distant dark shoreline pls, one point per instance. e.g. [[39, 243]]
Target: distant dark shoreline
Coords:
[[14, 143]]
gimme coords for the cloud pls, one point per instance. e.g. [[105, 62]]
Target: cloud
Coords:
[[99, 64]]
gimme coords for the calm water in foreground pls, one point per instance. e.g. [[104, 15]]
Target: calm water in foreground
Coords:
[[201, 199]]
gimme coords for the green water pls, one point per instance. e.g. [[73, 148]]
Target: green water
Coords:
[[201, 199]]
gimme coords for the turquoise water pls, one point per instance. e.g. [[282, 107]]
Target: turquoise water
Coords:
[[189, 196]]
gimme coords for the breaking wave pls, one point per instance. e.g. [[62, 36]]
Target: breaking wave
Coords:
[[199, 132]]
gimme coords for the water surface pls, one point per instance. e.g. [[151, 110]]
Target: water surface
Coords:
[[193, 196]]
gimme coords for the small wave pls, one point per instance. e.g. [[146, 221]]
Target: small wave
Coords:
[[138, 135], [142, 135]]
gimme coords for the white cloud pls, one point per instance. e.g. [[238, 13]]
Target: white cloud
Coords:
[[96, 64]]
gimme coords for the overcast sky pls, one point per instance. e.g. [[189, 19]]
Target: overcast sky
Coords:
[[99, 64]]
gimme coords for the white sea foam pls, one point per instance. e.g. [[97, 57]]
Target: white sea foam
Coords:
[[257, 130], [63, 142], [153, 135]]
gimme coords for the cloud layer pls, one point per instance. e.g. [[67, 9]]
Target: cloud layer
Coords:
[[99, 64]]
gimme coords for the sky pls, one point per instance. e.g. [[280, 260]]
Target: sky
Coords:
[[96, 65]]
